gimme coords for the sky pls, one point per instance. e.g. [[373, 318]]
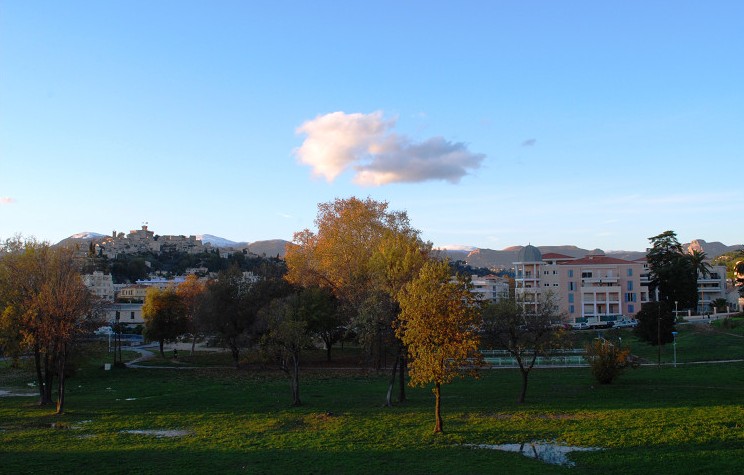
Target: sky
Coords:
[[491, 123]]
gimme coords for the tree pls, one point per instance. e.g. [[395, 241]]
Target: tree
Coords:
[[699, 262], [655, 325], [719, 305], [438, 323], [525, 335], [191, 293], [47, 306], [739, 276], [338, 255], [232, 302], [397, 260], [355, 254], [607, 360], [164, 315], [224, 312], [672, 272], [286, 333], [323, 317]]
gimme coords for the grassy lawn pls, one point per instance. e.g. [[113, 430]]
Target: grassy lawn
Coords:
[[695, 342], [688, 419]]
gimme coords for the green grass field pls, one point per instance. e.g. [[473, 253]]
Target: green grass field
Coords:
[[688, 419]]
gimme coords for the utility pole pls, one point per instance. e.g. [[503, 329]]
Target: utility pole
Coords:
[[658, 329]]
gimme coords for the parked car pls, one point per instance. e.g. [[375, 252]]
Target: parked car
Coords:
[[626, 324], [580, 326]]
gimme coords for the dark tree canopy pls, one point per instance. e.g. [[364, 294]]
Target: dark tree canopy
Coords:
[[655, 323], [672, 271]]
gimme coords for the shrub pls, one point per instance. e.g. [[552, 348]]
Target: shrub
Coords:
[[607, 361]]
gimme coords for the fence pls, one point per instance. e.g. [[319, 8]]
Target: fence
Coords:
[[560, 357]]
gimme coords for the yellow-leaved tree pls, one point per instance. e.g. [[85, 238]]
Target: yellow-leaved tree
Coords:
[[363, 253], [438, 323]]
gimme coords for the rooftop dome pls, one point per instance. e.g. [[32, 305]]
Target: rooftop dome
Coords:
[[529, 253]]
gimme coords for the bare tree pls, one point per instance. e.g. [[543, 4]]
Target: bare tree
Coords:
[[525, 335]]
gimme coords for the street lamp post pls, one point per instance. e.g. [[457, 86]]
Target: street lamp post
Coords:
[[674, 337], [117, 340], [675, 311]]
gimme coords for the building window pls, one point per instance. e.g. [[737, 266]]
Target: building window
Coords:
[[571, 286], [570, 272], [630, 285], [630, 297], [570, 298], [586, 275], [131, 316], [630, 272], [631, 308], [570, 309]]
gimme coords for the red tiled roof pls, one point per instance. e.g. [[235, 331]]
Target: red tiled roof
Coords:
[[589, 260], [555, 255]]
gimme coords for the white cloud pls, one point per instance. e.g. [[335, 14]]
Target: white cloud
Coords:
[[365, 143], [6, 200]]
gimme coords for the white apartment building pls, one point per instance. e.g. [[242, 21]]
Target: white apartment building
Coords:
[[490, 288], [711, 288], [101, 285]]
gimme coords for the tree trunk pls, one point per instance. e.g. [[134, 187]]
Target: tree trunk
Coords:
[[328, 351], [61, 360], [48, 379], [235, 355], [437, 409], [523, 392], [121, 361], [39, 375], [193, 343], [295, 380], [402, 376], [389, 397]]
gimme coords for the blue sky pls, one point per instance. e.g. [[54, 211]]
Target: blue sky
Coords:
[[492, 123]]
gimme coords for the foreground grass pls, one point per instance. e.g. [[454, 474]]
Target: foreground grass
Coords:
[[671, 420]]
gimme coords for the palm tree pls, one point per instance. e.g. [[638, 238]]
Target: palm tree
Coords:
[[700, 266]]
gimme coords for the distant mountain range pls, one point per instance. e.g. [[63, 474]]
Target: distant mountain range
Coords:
[[474, 257]]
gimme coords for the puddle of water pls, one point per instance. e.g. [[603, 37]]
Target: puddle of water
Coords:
[[58, 425], [547, 452], [158, 433], [4, 393]]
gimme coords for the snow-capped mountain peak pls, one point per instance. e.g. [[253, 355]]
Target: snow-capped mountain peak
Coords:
[[86, 235], [215, 241]]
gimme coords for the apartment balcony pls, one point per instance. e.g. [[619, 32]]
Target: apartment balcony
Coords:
[[605, 290], [599, 281]]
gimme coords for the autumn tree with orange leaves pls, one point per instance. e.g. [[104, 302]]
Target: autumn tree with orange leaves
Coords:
[[363, 253], [191, 293], [439, 324], [45, 301], [338, 256]]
